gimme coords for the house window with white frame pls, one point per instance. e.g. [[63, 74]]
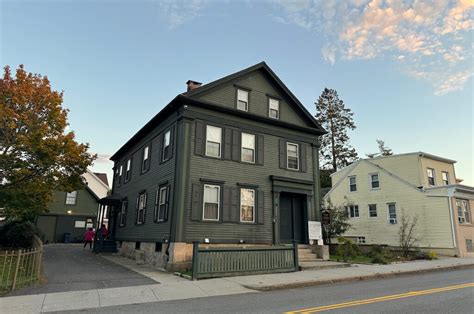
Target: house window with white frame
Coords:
[[372, 210], [146, 158], [211, 202], [247, 205], [392, 213], [128, 170], [160, 203], [242, 100], [374, 181], [213, 141], [353, 211], [292, 156], [431, 176], [141, 208], [123, 213], [248, 148], [353, 184], [445, 177], [166, 146], [274, 108], [71, 198], [464, 212]]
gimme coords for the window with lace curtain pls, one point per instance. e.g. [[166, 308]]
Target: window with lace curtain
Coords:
[[211, 201]]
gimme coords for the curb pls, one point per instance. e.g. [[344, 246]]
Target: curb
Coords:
[[313, 283]]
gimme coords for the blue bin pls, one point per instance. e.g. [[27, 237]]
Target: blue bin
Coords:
[[67, 237]]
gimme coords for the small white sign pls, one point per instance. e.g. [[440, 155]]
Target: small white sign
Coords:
[[89, 225], [80, 224], [315, 232]]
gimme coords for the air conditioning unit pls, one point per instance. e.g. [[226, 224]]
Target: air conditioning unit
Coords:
[[393, 221]]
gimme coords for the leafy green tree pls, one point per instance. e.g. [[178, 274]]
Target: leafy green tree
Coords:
[[37, 155], [383, 150], [332, 114], [339, 223]]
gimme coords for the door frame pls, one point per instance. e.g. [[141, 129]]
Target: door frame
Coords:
[[302, 226]]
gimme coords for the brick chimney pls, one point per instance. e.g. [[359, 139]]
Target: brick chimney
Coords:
[[192, 85]]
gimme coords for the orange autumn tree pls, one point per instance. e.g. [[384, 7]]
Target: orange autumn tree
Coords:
[[37, 155]]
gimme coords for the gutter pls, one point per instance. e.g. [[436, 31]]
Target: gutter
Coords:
[[451, 216]]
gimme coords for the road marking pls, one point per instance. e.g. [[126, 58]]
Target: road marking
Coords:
[[382, 299]]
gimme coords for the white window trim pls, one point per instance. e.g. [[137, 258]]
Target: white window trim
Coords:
[[218, 201], [370, 180], [242, 147], [447, 177], [376, 211], [158, 202], [297, 156], [463, 211], [220, 143], [253, 206], [388, 213], [143, 209], [349, 211], [169, 144], [428, 177], [349, 179], [71, 197], [246, 103], [269, 108], [147, 150]]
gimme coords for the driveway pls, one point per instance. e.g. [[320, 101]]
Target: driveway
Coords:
[[69, 267]]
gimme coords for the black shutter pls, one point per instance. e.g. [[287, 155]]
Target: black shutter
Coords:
[[260, 206], [171, 148], [227, 144], [234, 205], [144, 208], [226, 205], [260, 149], [167, 206], [136, 209], [303, 157], [282, 153], [159, 149], [236, 145], [196, 202], [200, 138]]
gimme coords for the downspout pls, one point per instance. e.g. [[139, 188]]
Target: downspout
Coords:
[[451, 216]]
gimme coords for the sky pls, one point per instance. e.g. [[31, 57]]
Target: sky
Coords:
[[403, 67]]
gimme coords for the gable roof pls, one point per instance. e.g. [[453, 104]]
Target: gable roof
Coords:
[[188, 96], [276, 80], [103, 177]]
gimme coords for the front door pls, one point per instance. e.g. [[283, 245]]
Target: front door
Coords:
[[293, 218]]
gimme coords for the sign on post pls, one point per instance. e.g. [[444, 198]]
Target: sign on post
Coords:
[[315, 232]]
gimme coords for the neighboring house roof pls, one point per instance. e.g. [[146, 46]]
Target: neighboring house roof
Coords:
[[95, 185], [102, 176], [189, 97], [324, 191]]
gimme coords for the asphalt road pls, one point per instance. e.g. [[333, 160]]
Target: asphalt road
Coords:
[[68, 267], [454, 299]]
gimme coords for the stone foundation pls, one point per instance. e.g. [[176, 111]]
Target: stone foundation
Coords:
[[146, 254]]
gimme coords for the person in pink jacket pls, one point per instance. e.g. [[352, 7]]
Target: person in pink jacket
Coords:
[[89, 237]]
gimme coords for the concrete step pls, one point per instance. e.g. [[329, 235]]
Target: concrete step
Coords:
[[314, 265], [307, 255]]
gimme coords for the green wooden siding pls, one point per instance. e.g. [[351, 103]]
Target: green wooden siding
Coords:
[[86, 204]]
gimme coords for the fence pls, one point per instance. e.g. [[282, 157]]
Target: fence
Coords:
[[20, 268], [221, 262]]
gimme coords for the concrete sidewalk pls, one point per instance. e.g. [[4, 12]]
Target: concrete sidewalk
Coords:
[[172, 287]]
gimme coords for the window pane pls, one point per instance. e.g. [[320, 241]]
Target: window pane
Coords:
[[166, 141], [210, 211], [128, 164], [292, 162], [248, 140], [213, 149], [211, 194], [241, 105], [121, 170], [248, 155], [391, 211], [247, 197], [274, 113], [214, 134], [242, 95], [163, 196], [274, 104], [71, 198], [145, 153]]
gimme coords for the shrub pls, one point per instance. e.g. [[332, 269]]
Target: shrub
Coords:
[[376, 250], [379, 259], [17, 234], [347, 249]]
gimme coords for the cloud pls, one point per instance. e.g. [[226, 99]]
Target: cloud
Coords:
[[429, 38], [178, 12]]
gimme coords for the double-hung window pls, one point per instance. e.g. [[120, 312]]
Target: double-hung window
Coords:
[[213, 141], [292, 156], [353, 211], [71, 198], [141, 208], [128, 171], [392, 213], [120, 174], [374, 181], [273, 108], [242, 100], [248, 148], [123, 213], [166, 146], [161, 203], [431, 176], [372, 210], [352, 184], [146, 158], [464, 212], [445, 177], [211, 202], [247, 205]]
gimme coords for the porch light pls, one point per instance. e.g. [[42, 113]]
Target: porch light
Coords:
[[69, 212], [241, 241], [206, 240]]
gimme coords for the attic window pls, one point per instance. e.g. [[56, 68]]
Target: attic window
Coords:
[[242, 100], [273, 108]]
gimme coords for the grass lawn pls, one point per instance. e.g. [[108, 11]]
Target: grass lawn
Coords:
[[355, 259]]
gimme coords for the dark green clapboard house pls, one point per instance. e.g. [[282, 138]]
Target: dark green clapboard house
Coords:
[[232, 162]]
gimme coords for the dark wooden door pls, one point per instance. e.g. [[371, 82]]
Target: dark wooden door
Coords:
[[293, 218]]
